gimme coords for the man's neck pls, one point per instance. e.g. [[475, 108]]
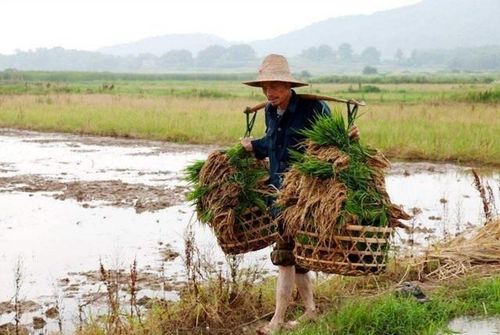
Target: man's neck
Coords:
[[284, 105]]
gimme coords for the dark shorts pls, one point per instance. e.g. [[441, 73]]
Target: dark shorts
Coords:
[[282, 253]]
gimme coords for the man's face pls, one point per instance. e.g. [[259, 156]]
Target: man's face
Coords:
[[276, 92]]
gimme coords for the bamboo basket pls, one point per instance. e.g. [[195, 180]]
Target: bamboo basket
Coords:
[[254, 230], [354, 250], [234, 208]]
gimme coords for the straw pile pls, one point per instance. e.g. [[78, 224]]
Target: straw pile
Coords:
[[229, 192], [460, 255], [335, 187]]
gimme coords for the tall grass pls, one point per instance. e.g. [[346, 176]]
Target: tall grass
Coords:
[[196, 120], [72, 76], [457, 132], [447, 131], [490, 95], [417, 78]]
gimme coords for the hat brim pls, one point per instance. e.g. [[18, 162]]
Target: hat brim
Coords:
[[258, 83]]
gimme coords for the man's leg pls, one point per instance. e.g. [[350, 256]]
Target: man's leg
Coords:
[[305, 288], [284, 292]]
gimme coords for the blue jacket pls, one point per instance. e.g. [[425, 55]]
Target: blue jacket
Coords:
[[281, 133]]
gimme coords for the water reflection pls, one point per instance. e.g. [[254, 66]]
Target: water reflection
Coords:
[[475, 326]]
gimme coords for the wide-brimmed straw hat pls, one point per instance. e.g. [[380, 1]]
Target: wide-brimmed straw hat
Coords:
[[275, 68]]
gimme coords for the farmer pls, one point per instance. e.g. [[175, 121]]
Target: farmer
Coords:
[[285, 114]]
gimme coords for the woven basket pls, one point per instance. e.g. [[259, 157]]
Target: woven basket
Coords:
[[255, 230], [353, 251]]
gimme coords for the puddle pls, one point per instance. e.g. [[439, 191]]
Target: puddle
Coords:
[[475, 326], [131, 161], [61, 244], [69, 202], [442, 199]]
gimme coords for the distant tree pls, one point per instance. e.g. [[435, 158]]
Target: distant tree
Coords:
[[370, 55], [413, 58], [322, 53], [325, 52], [345, 52], [309, 53], [147, 61], [176, 59], [370, 70], [240, 52], [305, 74], [238, 55], [399, 56], [211, 55]]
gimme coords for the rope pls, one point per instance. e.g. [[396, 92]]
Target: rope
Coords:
[[250, 121]]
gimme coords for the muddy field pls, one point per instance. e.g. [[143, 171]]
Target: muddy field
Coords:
[[69, 203]]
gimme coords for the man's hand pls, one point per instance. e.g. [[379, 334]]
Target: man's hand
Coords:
[[246, 142], [354, 133]]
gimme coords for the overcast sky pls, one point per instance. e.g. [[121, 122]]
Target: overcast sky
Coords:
[[91, 24]]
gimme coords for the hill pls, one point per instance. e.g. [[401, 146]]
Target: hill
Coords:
[[430, 24], [161, 44]]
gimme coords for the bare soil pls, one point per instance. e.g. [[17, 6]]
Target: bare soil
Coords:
[[144, 198], [7, 307]]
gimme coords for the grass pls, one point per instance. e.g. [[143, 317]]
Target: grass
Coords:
[[436, 119], [419, 78], [442, 131], [215, 302], [457, 132], [196, 120], [388, 314]]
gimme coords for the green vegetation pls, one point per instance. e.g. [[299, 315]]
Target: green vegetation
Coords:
[[492, 95], [363, 198], [78, 77], [458, 121], [439, 78], [388, 314], [246, 177], [230, 301]]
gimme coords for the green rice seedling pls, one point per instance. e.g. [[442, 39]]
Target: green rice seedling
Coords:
[[229, 191], [334, 201]]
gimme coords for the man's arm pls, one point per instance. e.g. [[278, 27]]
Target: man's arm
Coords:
[[259, 146]]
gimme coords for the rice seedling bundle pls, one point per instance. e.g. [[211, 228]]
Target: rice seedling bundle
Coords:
[[229, 191], [335, 203]]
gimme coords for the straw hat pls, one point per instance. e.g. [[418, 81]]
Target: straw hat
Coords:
[[274, 68]]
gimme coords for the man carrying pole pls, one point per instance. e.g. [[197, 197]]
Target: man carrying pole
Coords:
[[286, 113]]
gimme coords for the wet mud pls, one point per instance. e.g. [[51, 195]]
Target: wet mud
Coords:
[[141, 197], [72, 202]]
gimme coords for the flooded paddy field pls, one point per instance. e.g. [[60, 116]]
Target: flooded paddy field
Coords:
[[69, 203], [475, 326]]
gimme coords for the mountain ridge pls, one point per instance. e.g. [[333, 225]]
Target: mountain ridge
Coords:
[[455, 23], [429, 24], [158, 45]]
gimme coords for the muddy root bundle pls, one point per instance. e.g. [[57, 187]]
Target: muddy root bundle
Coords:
[[335, 202], [229, 191]]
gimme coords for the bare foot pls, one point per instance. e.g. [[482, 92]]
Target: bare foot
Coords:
[[308, 316], [270, 328]]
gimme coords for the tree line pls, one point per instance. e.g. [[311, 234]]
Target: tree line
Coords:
[[242, 57]]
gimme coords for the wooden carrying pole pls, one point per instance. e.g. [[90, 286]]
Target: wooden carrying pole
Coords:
[[253, 110], [258, 107]]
